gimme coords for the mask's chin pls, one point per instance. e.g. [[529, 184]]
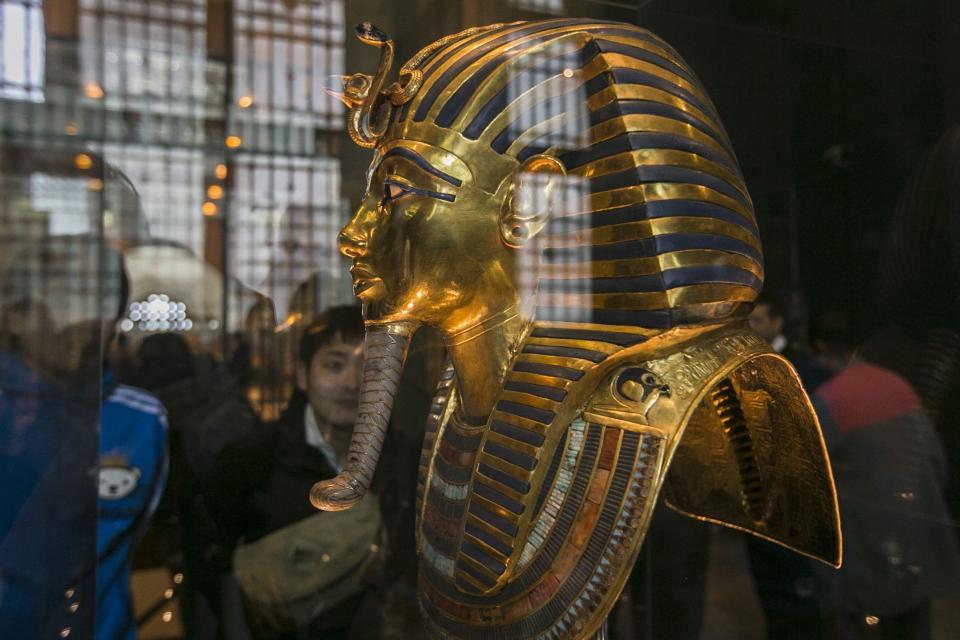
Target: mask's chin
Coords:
[[385, 351]]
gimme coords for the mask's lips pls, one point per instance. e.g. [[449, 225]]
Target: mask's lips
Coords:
[[384, 353]]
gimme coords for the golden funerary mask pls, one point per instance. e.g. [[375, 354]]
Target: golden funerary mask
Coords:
[[560, 200]]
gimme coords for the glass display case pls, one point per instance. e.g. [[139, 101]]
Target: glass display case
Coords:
[[226, 225]]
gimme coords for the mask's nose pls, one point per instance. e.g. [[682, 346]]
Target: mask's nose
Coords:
[[352, 240]]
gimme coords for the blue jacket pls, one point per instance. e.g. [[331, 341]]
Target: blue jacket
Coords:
[[58, 563], [133, 472]]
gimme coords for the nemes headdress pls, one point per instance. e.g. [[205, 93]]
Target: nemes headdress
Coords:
[[666, 234], [637, 359]]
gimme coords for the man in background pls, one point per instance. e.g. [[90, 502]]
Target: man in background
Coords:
[[259, 488]]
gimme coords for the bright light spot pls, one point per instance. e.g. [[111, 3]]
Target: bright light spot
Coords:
[[70, 128], [95, 184], [83, 161], [872, 620], [177, 578], [167, 616], [64, 632], [215, 192], [568, 73], [74, 607], [93, 90], [233, 141], [157, 313], [208, 208], [168, 594], [220, 171], [245, 102]]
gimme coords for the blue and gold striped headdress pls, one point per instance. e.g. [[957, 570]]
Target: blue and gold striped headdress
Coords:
[[665, 233]]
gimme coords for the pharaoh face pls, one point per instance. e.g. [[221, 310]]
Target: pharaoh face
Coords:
[[425, 243]]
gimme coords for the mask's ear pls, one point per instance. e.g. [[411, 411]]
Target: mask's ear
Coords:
[[535, 194]]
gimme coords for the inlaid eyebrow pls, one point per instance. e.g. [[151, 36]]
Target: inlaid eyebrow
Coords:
[[421, 162]]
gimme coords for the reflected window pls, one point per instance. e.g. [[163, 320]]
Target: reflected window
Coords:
[[22, 38]]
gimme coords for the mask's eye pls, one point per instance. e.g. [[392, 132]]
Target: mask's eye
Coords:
[[394, 191]]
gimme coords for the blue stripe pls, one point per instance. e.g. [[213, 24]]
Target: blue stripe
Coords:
[[496, 497], [539, 390], [491, 540], [493, 519], [644, 140], [655, 245], [666, 173], [636, 76], [613, 337], [509, 455], [478, 52], [504, 478], [720, 274], [608, 46], [619, 108], [522, 83], [565, 352], [554, 370], [521, 435], [650, 211], [681, 276]]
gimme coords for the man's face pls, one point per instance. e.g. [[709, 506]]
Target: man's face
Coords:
[[332, 382], [765, 324], [425, 243]]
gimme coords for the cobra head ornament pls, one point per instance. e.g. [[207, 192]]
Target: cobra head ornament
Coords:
[[560, 200]]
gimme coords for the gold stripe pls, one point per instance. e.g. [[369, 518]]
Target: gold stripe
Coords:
[[644, 301], [502, 465], [638, 301], [546, 88], [436, 72], [539, 92], [493, 507], [661, 51], [658, 158], [575, 343], [648, 266], [502, 488], [542, 380], [642, 229], [634, 122], [527, 399], [492, 530], [590, 326], [644, 92], [512, 444], [537, 130], [497, 555], [519, 421], [462, 557], [701, 293], [628, 62], [657, 191], [478, 64], [561, 361], [466, 577]]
